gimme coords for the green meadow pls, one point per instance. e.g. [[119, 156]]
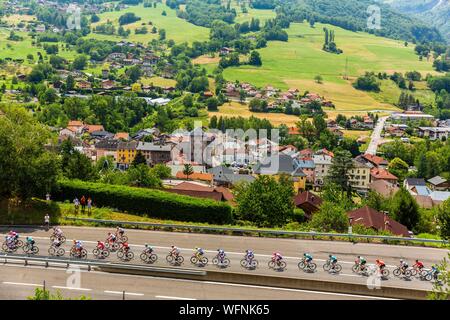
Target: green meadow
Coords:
[[177, 29], [295, 64]]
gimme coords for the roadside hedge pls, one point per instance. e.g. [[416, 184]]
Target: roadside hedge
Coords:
[[150, 202]]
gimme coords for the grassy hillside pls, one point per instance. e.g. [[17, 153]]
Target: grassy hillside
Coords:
[[177, 29], [296, 63]]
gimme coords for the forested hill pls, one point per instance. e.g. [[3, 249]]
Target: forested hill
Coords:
[[352, 15], [434, 12]]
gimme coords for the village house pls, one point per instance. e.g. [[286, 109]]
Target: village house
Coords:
[[126, 152], [155, 153], [107, 148], [308, 202], [359, 176], [384, 188], [322, 166], [224, 176], [379, 221], [434, 133], [416, 186], [382, 174], [278, 164], [438, 183]]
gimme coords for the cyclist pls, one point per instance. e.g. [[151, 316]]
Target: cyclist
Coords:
[[120, 231], [380, 263], [57, 232], [199, 253], [56, 243], [78, 246], [174, 251], [403, 265], [362, 262], [308, 258], [434, 271], [125, 247], [249, 255], [419, 265], [100, 245], [10, 243], [30, 242], [276, 257], [221, 255], [148, 249], [111, 238], [333, 261]]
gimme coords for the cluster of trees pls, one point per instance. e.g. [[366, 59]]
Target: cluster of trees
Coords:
[[367, 82], [329, 44], [224, 123], [441, 88], [406, 100], [128, 18], [430, 158], [28, 169], [115, 115], [204, 12]]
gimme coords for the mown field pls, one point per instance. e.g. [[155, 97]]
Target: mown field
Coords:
[[177, 29], [295, 64]]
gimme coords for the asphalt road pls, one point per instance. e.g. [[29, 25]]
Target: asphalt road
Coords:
[[291, 249], [375, 139], [17, 282]]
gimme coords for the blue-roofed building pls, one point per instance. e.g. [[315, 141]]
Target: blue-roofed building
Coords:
[[416, 187], [440, 196]]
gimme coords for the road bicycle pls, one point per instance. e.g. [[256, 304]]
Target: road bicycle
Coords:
[[56, 251], [249, 263], [30, 249], [100, 253], [328, 266], [148, 257], [221, 262], [125, 255], [279, 265], [307, 266], [199, 260], [174, 260]]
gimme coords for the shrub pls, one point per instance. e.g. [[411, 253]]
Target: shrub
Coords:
[[140, 201]]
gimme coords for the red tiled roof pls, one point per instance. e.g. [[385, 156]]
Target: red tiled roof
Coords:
[[75, 123], [382, 174], [309, 197], [376, 160], [196, 190], [94, 127], [371, 218], [195, 176]]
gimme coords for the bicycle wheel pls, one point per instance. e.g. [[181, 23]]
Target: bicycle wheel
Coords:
[[282, 265], [254, 264], [385, 273], [327, 266], [153, 258], [414, 272], [144, 256], [60, 252], [19, 243], [397, 272], [124, 239], [95, 252], [120, 254], [25, 249], [180, 259], [312, 266], [194, 260], [243, 263], [408, 274], [226, 262], [204, 261], [355, 268], [215, 261], [105, 253], [4, 247], [62, 239], [130, 255], [271, 264], [35, 250], [337, 268], [83, 254], [169, 258], [51, 251], [301, 265]]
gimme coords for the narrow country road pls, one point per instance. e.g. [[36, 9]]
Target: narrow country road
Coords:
[[375, 139]]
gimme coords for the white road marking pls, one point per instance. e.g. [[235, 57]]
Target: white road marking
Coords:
[[174, 298], [71, 288], [24, 284], [126, 293]]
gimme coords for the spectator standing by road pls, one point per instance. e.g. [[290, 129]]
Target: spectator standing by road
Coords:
[[83, 203], [47, 221], [89, 205], [47, 196], [76, 203]]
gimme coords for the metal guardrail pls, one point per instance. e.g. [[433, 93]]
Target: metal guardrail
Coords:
[[90, 264], [311, 234]]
